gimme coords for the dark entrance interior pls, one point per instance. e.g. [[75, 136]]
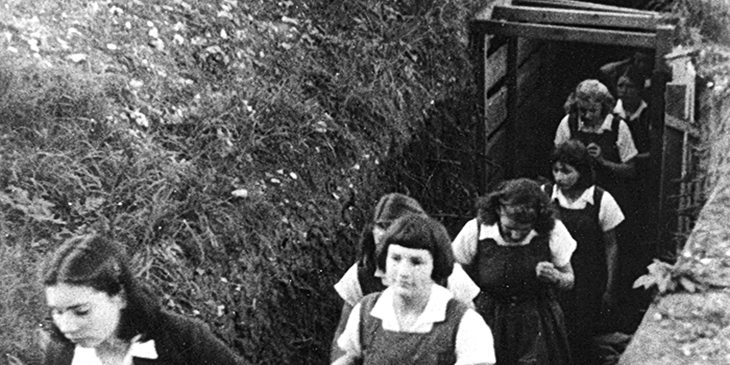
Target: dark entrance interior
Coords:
[[532, 60], [568, 64]]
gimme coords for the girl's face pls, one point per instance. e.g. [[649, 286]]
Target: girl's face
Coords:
[[511, 230], [409, 270], [84, 315], [590, 112], [566, 176], [627, 90]]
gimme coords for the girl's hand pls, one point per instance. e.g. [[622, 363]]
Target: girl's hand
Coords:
[[608, 300], [595, 151], [547, 272]]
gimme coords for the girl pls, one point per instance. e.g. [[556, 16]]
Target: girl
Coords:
[[101, 315], [607, 137], [414, 320], [365, 277], [633, 109], [518, 254], [591, 216]]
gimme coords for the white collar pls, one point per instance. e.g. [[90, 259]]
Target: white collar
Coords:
[[492, 232], [580, 203], [143, 350], [605, 126], [619, 109], [434, 312]]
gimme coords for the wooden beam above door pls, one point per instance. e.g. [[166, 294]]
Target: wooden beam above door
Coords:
[[571, 4], [567, 33], [646, 22]]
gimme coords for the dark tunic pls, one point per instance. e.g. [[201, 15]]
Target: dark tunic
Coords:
[[605, 178], [382, 347], [639, 128], [526, 320], [582, 304], [178, 341]]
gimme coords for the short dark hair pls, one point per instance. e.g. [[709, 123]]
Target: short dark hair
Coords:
[[574, 153], [421, 232], [526, 201], [96, 262], [635, 75], [389, 208]]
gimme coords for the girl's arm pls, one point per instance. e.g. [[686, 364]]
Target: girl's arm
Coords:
[[609, 238], [624, 170], [336, 352], [346, 359]]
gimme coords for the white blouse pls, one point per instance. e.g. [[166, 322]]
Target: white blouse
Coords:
[[562, 244], [474, 341], [143, 350]]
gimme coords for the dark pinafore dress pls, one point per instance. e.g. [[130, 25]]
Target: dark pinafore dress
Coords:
[[523, 313], [617, 186], [582, 304], [382, 347]]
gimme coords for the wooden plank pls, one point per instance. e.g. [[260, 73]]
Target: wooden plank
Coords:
[[569, 34], [495, 67], [478, 54], [526, 47], [568, 4], [527, 78], [576, 17], [495, 151], [512, 94], [496, 112], [681, 125]]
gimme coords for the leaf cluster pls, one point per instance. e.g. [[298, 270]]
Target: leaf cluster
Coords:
[[667, 278]]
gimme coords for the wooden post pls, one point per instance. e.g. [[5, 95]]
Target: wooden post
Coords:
[[666, 149], [478, 54], [512, 100]]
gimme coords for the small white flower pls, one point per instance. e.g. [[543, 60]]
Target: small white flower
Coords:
[[240, 193], [77, 57], [140, 119]]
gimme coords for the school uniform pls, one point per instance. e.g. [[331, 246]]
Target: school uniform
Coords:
[[447, 332], [526, 321], [175, 340], [586, 218]]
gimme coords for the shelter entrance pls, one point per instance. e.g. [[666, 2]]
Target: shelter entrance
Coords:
[[531, 54]]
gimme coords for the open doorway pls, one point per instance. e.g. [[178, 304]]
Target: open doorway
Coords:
[[532, 57]]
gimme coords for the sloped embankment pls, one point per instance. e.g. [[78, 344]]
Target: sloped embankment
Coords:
[[693, 326]]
